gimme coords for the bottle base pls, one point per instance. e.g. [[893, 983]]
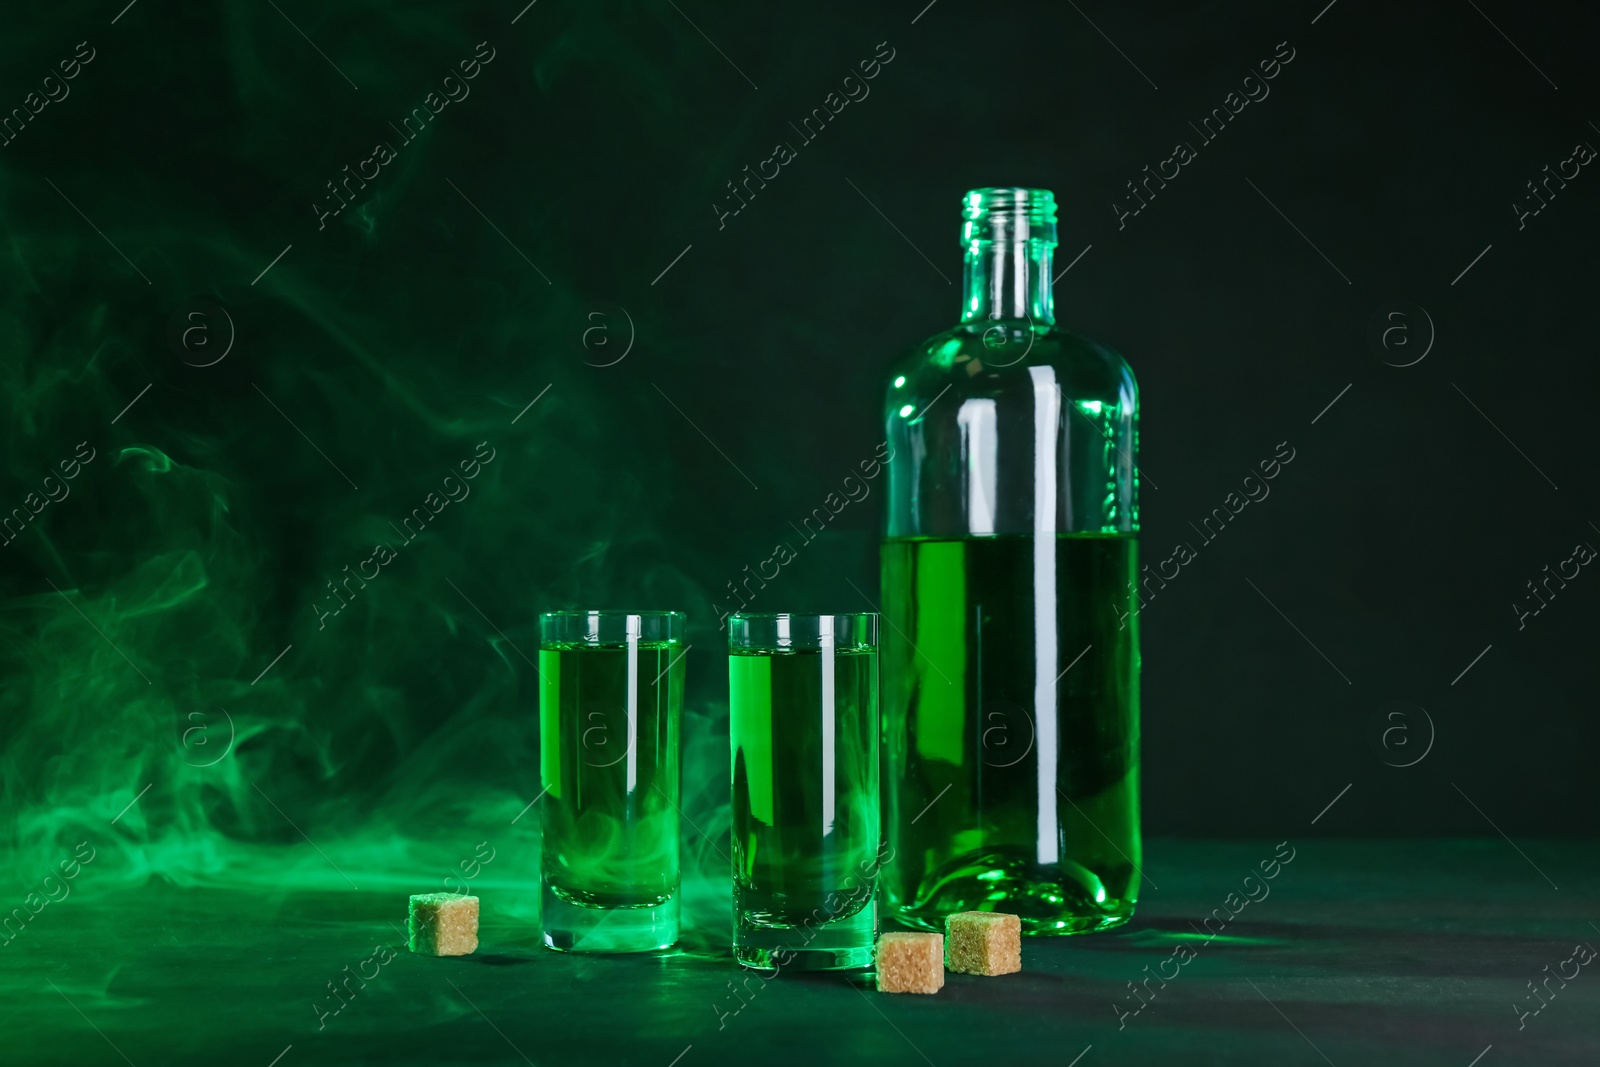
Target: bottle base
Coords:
[[1032, 926], [844, 945], [570, 927], [1060, 898]]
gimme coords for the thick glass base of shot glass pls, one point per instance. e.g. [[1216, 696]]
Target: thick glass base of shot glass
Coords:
[[570, 927], [842, 945]]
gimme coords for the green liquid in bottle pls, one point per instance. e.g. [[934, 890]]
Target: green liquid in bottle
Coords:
[[804, 738], [1016, 761], [609, 810]]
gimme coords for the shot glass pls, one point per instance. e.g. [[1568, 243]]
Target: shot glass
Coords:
[[610, 705], [803, 724]]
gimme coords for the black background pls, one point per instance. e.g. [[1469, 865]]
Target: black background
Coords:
[[597, 142]]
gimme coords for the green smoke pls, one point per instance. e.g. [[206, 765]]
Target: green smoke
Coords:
[[172, 692]]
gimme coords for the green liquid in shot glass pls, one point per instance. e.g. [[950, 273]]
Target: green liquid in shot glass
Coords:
[[804, 741], [609, 811]]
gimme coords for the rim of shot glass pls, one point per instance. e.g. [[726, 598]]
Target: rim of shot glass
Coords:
[[609, 626], [783, 631]]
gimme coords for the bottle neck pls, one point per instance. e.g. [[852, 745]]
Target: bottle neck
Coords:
[[1008, 280]]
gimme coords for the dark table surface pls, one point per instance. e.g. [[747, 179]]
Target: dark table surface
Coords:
[[1363, 952]]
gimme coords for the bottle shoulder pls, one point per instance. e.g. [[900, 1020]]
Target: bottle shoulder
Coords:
[[983, 358]]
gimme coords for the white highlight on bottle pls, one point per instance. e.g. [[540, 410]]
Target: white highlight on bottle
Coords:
[[980, 447], [826, 643], [1046, 446]]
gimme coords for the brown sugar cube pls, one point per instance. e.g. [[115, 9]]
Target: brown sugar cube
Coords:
[[983, 942], [443, 924], [910, 963]]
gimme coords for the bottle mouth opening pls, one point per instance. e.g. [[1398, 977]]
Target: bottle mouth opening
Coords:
[[1008, 213]]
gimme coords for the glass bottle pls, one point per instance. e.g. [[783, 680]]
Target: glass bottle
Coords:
[[1011, 654]]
